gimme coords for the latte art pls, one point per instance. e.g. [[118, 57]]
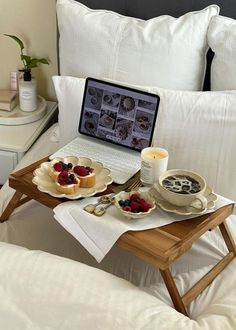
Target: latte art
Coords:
[[181, 184]]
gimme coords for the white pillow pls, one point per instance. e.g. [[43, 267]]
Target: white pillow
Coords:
[[163, 51], [222, 40], [197, 128], [69, 92]]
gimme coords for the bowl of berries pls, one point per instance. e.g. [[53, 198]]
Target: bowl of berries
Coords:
[[134, 205]]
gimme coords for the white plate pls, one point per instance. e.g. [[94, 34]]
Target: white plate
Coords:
[[19, 117], [46, 184], [184, 210]]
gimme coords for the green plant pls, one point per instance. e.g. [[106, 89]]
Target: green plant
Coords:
[[28, 61]]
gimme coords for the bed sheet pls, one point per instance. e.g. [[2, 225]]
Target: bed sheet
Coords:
[[33, 226], [43, 291]]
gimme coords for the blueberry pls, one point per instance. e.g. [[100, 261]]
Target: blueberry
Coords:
[[126, 202], [71, 176], [121, 203], [69, 165], [64, 166]]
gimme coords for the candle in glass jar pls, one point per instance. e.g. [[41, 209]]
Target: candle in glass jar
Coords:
[[154, 161]]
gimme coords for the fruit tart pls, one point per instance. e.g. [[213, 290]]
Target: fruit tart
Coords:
[[86, 175], [58, 167], [67, 183]]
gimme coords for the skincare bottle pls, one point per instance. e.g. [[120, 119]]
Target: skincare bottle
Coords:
[[13, 81], [27, 92]]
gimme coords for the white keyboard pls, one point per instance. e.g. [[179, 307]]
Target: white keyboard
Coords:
[[123, 163]]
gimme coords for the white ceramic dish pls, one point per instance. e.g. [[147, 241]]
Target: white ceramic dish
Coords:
[[184, 210], [19, 117], [123, 195], [46, 184]]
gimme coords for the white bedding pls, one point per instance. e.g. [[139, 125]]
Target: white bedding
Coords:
[[42, 291], [32, 225]]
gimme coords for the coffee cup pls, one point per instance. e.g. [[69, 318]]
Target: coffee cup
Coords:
[[154, 161], [182, 188]]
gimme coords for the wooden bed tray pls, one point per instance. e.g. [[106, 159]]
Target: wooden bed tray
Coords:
[[160, 246]]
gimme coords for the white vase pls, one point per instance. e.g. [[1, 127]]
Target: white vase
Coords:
[[28, 94]]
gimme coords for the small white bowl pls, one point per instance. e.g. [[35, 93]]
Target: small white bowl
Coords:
[[123, 195]]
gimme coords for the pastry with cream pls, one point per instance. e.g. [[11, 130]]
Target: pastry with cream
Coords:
[[86, 175], [67, 183], [58, 167]]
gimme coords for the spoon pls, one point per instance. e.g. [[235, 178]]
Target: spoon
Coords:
[[90, 208], [99, 211]]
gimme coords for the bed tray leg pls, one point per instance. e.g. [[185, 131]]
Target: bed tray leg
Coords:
[[11, 206]]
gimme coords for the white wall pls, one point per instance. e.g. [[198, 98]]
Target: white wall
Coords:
[[34, 21]]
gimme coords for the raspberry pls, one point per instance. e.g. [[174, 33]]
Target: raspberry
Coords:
[[57, 167], [81, 170], [142, 200], [145, 207], [61, 182], [134, 206], [63, 176], [127, 208], [134, 196]]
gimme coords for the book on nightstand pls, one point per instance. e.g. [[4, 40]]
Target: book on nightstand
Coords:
[[8, 100]]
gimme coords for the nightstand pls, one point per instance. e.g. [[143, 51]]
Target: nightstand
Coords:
[[16, 140]]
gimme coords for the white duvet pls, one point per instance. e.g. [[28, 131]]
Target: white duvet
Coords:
[[41, 291]]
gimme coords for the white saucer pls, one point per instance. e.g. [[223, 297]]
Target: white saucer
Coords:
[[184, 210]]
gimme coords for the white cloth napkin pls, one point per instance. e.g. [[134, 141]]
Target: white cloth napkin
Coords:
[[99, 234]]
